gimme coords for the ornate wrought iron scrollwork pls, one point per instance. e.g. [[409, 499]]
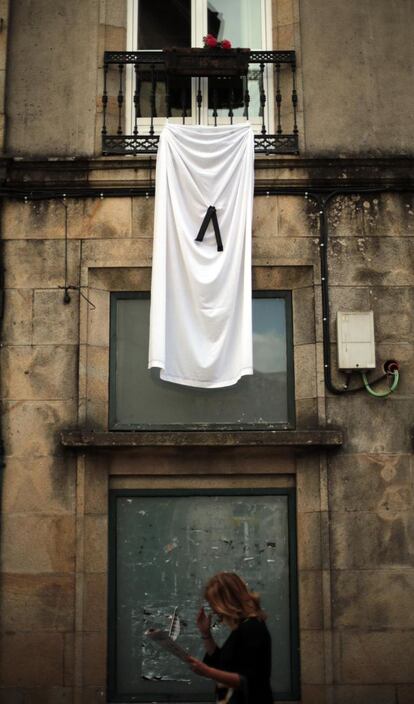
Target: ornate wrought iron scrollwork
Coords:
[[154, 90]]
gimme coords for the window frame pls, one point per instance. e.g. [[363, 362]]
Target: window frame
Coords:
[[198, 30], [114, 494], [225, 427]]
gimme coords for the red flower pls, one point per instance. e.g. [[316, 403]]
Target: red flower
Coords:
[[210, 41], [226, 44]]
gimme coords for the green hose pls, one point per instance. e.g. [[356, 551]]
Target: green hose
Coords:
[[382, 394]]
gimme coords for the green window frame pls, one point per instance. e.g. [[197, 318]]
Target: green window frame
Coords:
[[116, 622], [229, 395]]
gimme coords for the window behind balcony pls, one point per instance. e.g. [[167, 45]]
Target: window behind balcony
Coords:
[[139, 399], [184, 23], [237, 20]]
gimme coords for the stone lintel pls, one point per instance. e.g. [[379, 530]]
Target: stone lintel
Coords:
[[319, 437]]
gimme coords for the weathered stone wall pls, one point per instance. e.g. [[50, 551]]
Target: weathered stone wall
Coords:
[[371, 494], [357, 61], [4, 31], [39, 390], [355, 529], [54, 79]]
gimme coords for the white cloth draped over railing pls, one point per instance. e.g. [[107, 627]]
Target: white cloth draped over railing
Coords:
[[201, 302]]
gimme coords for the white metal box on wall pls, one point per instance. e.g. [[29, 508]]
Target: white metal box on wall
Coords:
[[356, 341]]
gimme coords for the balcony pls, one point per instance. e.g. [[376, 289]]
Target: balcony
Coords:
[[141, 91]]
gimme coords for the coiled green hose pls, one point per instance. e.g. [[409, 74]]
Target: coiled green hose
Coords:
[[382, 394]]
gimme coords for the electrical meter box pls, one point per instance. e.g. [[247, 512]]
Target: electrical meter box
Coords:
[[356, 342]]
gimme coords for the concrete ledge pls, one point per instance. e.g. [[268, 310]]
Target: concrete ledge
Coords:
[[85, 439]]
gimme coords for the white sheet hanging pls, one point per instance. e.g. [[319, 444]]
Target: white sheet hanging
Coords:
[[201, 301]]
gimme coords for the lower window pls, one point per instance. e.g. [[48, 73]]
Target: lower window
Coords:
[[139, 399], [164, 545]]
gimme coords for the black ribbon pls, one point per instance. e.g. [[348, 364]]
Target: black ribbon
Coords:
[[210, 215]]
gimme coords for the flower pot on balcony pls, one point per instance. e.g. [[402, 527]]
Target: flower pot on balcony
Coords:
[[206, 62]]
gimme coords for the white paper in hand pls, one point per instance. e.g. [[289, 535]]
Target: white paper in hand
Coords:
[[163, 640], [175, 626]]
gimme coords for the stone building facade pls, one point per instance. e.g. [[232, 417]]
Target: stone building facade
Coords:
[[77, 223]]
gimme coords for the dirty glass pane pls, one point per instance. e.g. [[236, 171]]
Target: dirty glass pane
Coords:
[[165, 548], [139, 397]]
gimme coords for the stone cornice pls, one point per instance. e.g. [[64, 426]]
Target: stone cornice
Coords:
[[319, 173]]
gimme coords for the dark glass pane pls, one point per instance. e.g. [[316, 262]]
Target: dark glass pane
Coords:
[[213, 21], [161, 564], [164, 23], [225, 92], [139, 397], [178, 90]]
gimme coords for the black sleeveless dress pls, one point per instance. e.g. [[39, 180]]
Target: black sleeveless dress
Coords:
[[247, 651]]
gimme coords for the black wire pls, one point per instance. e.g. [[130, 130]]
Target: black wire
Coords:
[[66, 296], [145, 190]]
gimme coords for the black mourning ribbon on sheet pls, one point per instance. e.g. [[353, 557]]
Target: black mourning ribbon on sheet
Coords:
[[210, 215]]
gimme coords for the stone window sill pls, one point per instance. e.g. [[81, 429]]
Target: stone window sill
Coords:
[[90, 440]]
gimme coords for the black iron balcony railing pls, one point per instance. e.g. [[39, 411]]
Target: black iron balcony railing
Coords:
[[140, 93]]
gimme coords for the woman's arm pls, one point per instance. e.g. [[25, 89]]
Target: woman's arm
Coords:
[[228, 679]]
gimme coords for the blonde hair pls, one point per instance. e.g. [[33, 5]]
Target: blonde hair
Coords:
[[229, 596]]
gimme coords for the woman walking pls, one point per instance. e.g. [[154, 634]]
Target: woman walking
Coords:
[[241, 668]]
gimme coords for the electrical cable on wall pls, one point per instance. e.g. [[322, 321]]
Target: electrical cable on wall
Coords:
[[322, 202]]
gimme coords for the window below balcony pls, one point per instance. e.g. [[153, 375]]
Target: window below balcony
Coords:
[[140, 400]]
